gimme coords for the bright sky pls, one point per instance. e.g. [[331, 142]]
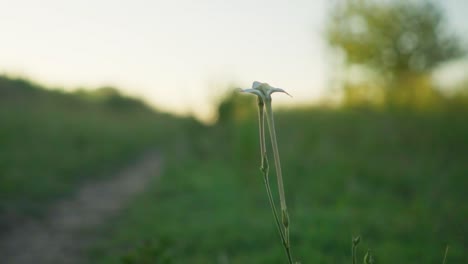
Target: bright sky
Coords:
[[178, 55]]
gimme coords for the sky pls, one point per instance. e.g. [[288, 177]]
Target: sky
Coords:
[[179, 55]]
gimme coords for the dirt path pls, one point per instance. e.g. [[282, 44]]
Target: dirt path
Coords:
[[61, 236]]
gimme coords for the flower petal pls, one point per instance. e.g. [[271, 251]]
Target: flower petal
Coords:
[[279, 90], [253, 91], [256, 84]]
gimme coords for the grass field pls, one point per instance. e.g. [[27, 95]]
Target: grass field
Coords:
[[50, 142], [396, 179]]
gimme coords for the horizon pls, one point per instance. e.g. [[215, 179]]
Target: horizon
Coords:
[[180, 56]]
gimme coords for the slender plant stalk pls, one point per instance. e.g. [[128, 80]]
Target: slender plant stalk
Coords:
[[274, 145], [279, 175], [264, 91], [261, 126], [355, 241], [275, 214], [265, 170], [354, 254], [445, 255]]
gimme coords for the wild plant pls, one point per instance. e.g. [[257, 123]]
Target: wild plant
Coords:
[[263, 92]]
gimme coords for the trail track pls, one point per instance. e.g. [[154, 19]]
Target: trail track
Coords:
[[62, 235]]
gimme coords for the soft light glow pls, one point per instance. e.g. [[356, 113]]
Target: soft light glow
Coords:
[[168, 52]]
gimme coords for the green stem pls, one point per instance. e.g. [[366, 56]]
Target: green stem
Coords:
[[445, 255], [261, 124], [354, 254], [265, 169], [279, 175], [275, 214], [274, 145]]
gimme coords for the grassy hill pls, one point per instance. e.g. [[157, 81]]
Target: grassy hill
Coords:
[[397, 178], [51, 141]]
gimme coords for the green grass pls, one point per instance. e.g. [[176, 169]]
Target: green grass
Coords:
[[51, 141], [396, 179]]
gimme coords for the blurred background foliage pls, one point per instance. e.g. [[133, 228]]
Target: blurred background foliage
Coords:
[[388, 161], [392, 47]]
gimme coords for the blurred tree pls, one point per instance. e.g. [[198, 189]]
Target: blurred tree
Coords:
[[397, 42], [112, 98], [235, 107], [237, 116]]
